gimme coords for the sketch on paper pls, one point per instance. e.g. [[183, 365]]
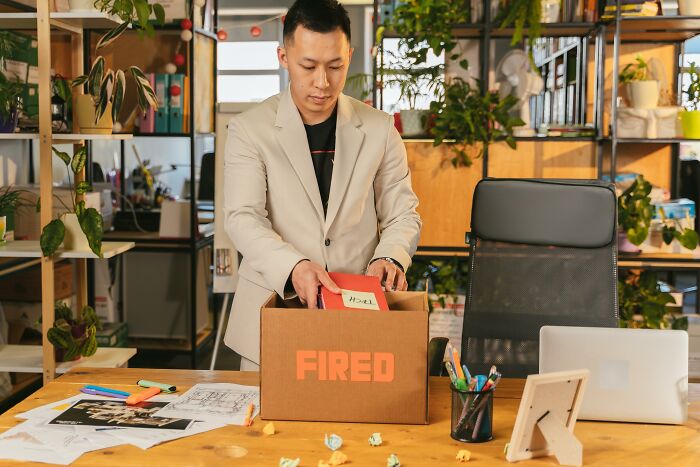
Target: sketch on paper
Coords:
[[214, 402], [117, 413]]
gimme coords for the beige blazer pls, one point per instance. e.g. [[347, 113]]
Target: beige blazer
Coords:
[[273, 211]]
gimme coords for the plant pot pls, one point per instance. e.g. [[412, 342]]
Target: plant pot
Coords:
[[413, 122], [624, 245], [60, 353], [75, 239], [689, 7], [10, 124], [3, 229], [550, 11], [86, 117], [81, 5], [690, 121], [643, 94]]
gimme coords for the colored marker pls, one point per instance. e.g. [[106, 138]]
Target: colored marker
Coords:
[[460, 384], [142, 396], [100, 388], [467, 375], [456, 363], [167, 388], [95, 392], [480, 381], [249, 415]]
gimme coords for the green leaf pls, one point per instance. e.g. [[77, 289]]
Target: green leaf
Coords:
[[143, 11], [52, 237], [464, 64], [667, 234], [689, 239], [96, 76], [72, 352], [159, 12], [78, 162], [62, 155], [91, 224], [105, 94], [79, 80], [59, 338], [82, 187], [112, 35], [118, 93]]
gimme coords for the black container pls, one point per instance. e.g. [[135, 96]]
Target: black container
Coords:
[[472, 415]]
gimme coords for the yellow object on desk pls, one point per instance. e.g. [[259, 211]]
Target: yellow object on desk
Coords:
[[605, 444]]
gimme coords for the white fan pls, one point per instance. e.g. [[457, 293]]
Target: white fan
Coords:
[[516, 78]]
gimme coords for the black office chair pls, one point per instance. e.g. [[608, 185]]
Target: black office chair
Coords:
[[542, 252]]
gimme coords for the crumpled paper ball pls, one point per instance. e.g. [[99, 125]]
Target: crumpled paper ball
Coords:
[[375, 439], [333, 442], [393, 461], [463, 455], [338, 458], [284, 462], [269, 429]]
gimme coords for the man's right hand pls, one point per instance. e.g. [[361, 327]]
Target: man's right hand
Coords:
[[307, 276]]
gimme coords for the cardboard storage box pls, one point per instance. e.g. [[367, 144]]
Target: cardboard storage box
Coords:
[[345, 365], [25, 286]]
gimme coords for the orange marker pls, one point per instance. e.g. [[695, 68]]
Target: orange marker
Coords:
[[142, 396], [248, 416]]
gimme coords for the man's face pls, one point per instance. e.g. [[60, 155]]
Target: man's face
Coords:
[[318, 66]]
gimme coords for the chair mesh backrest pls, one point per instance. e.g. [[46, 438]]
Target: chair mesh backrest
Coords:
[[517, 287]]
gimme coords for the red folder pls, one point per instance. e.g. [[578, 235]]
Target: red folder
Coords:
[[361, 293]]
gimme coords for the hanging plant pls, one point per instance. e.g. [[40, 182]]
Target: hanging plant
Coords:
[[520, 14], [135, 13]]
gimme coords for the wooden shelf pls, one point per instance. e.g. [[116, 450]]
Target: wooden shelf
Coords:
[[65, 138], [655, 28], [27, 359], [661, 261], [71, 21], [31, 249]]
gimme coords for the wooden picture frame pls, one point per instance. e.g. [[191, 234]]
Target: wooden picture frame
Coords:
[[546, 417]]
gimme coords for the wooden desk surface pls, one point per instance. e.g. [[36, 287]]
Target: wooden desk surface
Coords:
[[605, 444]]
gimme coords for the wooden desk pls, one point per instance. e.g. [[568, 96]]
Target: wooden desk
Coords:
[[605, 444]]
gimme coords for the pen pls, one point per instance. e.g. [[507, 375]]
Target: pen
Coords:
[[467, 375], [456, 382], [456, 363], [100, 388], [95, 392], [144, 383], [142, 396]]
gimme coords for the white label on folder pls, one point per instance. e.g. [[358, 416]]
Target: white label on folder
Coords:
[[355, 299]]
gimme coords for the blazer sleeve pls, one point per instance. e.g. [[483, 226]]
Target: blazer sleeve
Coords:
[[396, 203], [246, 221]]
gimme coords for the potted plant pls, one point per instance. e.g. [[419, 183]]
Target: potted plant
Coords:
[[9, 200], [80, 228], [136, 13], [444, 278], [10, 91], [677, 229], [73, 337], [690, 118], [642, 304], [98, 109], [634, 214], [466, 115], [642, 89]]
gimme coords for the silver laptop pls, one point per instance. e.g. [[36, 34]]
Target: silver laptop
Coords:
[[637, 375]]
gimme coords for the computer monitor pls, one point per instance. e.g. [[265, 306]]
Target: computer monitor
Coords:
[[637, 375]]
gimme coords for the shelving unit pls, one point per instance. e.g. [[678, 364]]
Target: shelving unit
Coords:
[[44, 22], [150, 242]]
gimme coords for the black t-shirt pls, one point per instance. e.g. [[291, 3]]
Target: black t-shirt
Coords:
[[322, 145]]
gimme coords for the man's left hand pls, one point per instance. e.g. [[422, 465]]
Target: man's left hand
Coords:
[[391, 275]]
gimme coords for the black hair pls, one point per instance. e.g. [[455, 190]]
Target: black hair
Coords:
[[318, 16]]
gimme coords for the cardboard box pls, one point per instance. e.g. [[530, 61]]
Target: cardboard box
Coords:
[[25, 286], [345, 366]]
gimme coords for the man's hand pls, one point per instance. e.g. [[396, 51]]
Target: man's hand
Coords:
[[307, 276], [391, 275]]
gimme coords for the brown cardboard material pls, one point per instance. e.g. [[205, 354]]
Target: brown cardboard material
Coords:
[[345, 365]]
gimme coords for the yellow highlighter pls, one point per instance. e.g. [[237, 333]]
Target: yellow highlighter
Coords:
[[142, 396]]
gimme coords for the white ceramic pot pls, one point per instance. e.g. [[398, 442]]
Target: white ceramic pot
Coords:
[[689, 7], [413, 122], [85, 109], [3, 228], [550, 11], [643, 94], [81, 5], [75, 238]]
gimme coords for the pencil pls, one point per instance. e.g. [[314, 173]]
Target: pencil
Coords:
[[249, 415]]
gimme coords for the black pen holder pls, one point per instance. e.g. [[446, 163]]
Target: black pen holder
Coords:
[[472, 415]]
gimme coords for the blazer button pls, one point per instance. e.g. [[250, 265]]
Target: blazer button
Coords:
[[328, 242]]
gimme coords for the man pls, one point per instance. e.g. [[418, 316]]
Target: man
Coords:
[[315, 181]]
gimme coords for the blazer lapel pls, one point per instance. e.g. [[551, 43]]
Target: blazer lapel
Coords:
[[292, 138], [348, 140]]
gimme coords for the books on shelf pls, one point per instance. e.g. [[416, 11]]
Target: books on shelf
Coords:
[[631, 8]]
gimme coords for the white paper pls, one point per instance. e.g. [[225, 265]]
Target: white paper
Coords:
[[357, 299], [214, 402], [145, 438]]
